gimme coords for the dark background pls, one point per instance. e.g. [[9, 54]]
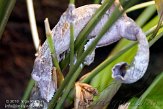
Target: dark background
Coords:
[[17, 52]]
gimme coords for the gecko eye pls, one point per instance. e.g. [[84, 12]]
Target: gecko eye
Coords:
[[42, 61], [41, 66]]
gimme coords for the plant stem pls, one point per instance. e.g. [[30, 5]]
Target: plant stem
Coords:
[[71, 45], [158, 27], [6, 7], [145, 15], [72, 2], [27, 92], [33, 26], [68, 88], [51, 44], [155, 39], [97, 1], [150, 31], [139, 6], [81, 49], [53, 52], [92, 23]]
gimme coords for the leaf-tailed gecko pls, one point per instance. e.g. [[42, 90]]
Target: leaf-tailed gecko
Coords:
[[124, 27]]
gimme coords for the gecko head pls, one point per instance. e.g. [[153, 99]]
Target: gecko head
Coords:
[[42, 69], [42, 74]]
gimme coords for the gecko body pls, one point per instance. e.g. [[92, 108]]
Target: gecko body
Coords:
[[123, 28]]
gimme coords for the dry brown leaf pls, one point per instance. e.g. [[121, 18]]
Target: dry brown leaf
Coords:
[[84, 95]]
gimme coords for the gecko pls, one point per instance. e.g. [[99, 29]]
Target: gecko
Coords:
[[124, 27]]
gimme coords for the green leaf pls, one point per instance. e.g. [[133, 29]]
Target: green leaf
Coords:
[[145, 15], [27, 93], [151, 23], [97, 1], [152, 98], [139, 6], [60, 76], [6, 7]]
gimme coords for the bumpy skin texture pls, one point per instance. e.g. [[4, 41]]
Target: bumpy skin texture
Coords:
[[124, 27]]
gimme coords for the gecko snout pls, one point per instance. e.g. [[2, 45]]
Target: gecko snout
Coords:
[[42, 68], [36, 75]]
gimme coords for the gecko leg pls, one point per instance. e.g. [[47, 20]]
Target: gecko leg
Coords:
[[90, 58]]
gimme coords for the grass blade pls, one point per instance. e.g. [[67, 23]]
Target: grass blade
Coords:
[[53, 52], [6, 7], [33, 26], [139, 6]]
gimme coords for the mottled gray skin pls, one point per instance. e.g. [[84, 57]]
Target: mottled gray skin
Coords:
[[124, 27]]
